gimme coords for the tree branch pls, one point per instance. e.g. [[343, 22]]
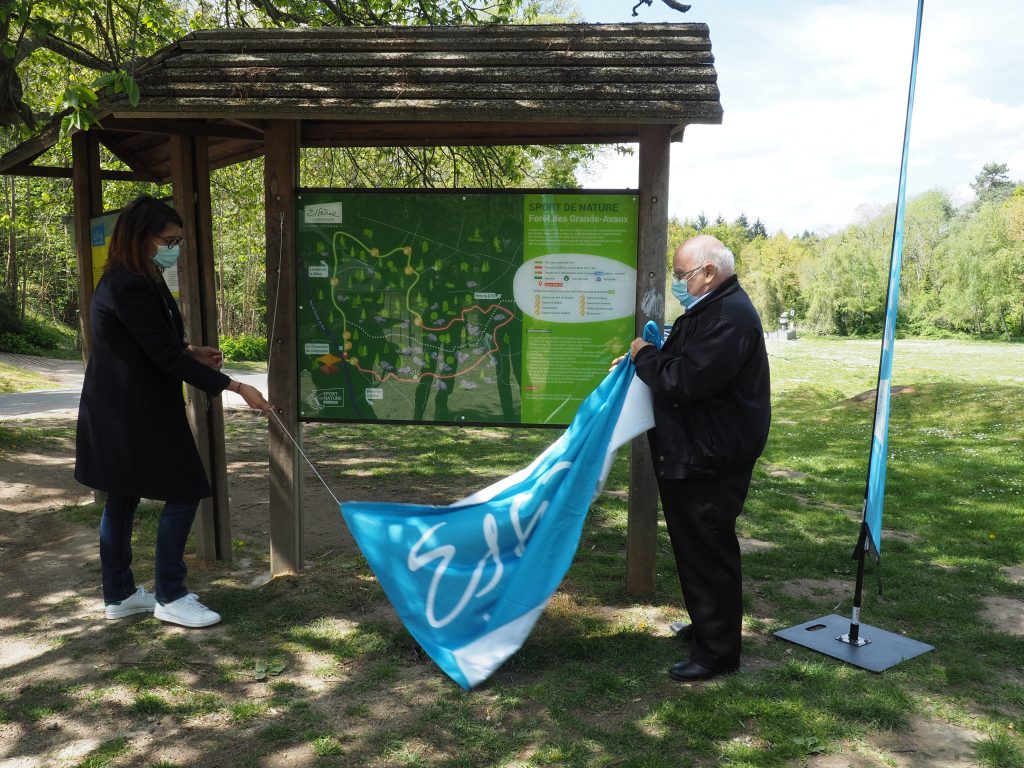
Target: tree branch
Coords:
[[106, 38], [67, 49]]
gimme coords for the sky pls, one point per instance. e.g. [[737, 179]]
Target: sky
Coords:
[[815, 96]]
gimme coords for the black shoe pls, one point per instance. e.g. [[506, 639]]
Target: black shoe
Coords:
[[682, 630], [690, 671]]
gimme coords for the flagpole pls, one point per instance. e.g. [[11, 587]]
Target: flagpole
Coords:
[[884, 649], [874, 486]]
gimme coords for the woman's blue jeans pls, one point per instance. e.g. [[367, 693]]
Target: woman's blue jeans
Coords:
[[116, 548]]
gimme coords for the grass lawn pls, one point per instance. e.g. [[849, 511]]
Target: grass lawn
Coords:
[[317, 669], [14, 379]]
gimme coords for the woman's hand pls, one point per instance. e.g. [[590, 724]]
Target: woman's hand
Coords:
[[252, 396], [208, 356]]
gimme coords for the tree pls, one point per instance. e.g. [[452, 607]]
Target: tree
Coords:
[[85, 45], [66, 53], [96, 44], [771, 269], [992, 184]]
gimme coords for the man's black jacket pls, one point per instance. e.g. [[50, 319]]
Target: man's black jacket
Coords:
[[710, 387]]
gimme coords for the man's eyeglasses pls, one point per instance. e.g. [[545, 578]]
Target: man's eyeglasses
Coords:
[[170, 242], [683, 277]]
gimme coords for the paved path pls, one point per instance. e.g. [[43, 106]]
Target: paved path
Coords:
[[67, 377]]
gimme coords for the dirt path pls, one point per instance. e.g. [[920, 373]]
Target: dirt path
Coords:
[[50, 585]]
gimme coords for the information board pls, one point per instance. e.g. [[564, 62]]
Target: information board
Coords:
[[460, 307], [101, 229]]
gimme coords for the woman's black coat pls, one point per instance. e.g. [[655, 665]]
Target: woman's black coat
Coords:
[[133, 436]]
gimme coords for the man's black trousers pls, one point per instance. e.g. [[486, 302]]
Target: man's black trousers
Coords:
[[701, 519]]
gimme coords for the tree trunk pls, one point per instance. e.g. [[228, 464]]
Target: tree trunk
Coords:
[[12, 252]]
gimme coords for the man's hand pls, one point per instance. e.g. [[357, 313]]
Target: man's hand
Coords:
[[208, 356], [616, 361], [636, 346]]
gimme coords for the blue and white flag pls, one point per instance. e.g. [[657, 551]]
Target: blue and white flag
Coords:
[[874, 497], [470, 580]]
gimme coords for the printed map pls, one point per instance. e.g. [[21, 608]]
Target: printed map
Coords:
[[428, 307]]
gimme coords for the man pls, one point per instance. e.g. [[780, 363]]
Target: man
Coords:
[[712, 410]]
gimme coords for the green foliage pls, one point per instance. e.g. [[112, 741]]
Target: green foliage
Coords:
[[244, 348], [80, 99], [962, 269], [772, 268], [39, 336]]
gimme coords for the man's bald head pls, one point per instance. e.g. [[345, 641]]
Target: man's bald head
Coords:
[[705, 261]]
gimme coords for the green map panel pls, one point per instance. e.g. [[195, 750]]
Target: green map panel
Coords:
[[459, 307]]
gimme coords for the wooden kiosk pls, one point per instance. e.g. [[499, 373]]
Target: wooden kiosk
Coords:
[[219, 97]]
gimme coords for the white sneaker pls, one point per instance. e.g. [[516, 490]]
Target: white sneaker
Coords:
[[186, 611], [139, 602]]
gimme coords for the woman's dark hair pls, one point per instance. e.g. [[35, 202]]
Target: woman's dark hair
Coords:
[[143, 219]]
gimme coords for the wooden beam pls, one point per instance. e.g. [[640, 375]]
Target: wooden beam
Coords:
[[584, 38], [450, 134], [262, 36], [652, 247], [281, 178], [129, 158], [180, 127], [225, 153], [384, 56], [26, 152], [204, 413], [431, 74], [87, 191], [523, 111], [208, 294], [252, 125], [56, 172], [88, 199], [497, 93]]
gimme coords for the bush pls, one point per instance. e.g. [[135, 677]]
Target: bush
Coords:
[[244, 348], [36, 336], [15, 344]]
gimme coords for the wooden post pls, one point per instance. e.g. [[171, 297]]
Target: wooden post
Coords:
[[211, 337], [87, 190], [652, 245], [88, 196], [281, 178], [190, 175]]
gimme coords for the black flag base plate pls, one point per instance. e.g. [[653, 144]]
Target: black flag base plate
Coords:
[[878, 650]]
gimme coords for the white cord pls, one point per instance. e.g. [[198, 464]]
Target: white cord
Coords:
[[277, 292], [303, 454], [270, 352]]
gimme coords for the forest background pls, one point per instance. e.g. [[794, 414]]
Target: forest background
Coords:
[[963, 268]]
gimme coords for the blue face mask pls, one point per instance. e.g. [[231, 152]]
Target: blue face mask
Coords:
[[167, 256], [684, 296]]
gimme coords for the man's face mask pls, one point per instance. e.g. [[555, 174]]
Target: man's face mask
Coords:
[[680, 287], [684, 296]]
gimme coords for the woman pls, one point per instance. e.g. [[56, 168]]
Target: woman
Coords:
[[133, 437]]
